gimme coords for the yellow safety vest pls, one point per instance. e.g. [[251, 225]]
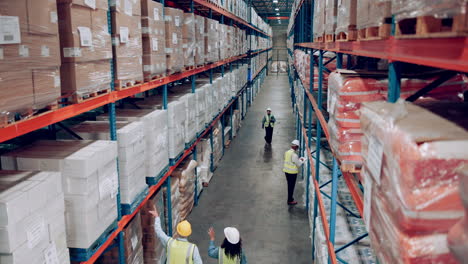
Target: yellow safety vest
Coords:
[[224, 259], [267, 122], [179, 252], [289, 166]]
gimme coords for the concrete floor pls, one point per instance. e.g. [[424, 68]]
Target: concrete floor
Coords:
[[248, 189]]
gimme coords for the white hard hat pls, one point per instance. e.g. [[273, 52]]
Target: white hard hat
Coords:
[[268, 109], [295, 142], [232, 235]]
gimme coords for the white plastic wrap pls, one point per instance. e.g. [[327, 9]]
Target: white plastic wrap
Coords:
[[176, 126], [188, 39]]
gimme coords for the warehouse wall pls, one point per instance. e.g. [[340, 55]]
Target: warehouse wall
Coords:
[[279, 41]]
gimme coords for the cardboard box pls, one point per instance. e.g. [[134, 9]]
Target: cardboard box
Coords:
[[200, 40], [85, 77], [84, 34], [174, 22], [18, 97], [46, 85], [128, 7], [94, 4]]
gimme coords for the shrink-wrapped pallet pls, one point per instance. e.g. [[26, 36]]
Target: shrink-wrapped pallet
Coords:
[[132, 242], [29, 58], [204, 152], [211, 40], [217, 144], [32, 219], [346, 16], [188, 39], [154, 39], [319, 20], [186, 175], [127, 42], [89, 181], [176, 128], [155, 136], [411, 169], [200, 97], [330, 16], [190, 121], [200, 40], [131, 153], [209, 114], [153, 250], [374, 14], [174, 19]]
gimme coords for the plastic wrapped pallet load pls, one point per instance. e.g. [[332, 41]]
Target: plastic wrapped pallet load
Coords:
[[188, 39], [176, 125], [217, 144], [375, 17], [186, 175], [174, 52], [190, 121], [127, 42], [155, 134], [410, 151], [131, 153], [200, 40], [89, 180], [133, 247], [154, 39], [200, 97], [153, 249], [32, 222], [458, 234]]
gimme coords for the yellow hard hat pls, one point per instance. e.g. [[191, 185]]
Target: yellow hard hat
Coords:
[[184, 228]]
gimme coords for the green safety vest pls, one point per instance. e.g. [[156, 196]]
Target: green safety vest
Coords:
[[289, 166], [267, 122], [179, 252], [224, 259]]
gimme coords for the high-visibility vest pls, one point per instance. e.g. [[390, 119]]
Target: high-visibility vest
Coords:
[[224, 259], [289, 166], [267, 122], [179, 252]]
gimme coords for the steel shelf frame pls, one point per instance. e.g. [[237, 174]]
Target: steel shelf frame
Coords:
[[53, 117]]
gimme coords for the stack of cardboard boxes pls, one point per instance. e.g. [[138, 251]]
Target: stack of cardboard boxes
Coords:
[[127, 42], [29, 44], [188, 36], [154, 39], [86, 47], [211, 40], [174, 19], [32, 222], [199, 40]]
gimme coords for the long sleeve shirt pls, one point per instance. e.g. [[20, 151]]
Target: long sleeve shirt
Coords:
[[296, 160], [165, 239], [213, 251]]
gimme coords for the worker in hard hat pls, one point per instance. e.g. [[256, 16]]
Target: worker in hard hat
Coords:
[[230, 251], [292, 163], [178, 250], [268, 123]]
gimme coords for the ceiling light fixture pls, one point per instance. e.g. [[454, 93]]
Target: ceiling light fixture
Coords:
[[275, 1], [277, 9], [277, 14]]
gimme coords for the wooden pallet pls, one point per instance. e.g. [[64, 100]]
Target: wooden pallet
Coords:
[[320, 39], [78, 98], [351, 168], [26, 113], [432, 27], [153, 77], [124, 84], [329, 38], [375, 33], [350, 34], [188, 68]]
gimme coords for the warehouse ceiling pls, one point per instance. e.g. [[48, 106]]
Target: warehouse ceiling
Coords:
[[273, 8]]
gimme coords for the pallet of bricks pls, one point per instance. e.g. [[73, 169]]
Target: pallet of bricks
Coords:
[[154, 40], [86, 49], [29, 58], [127, 43]]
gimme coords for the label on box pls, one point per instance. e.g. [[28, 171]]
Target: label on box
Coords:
[[123, 34], [45, 51], [156, 13], [86, 37], [177, 21], [35, 231], [168, 50], [167, 18], [367, 201], [134, 241], [154, 44], [90, 3], [145, 30], [147, 68], [71, 52], [114, 3], [9, 30], [174, 38], [128, 7], [53, 17], [56, 81], [374, 158], [23, 51], [50, 254]]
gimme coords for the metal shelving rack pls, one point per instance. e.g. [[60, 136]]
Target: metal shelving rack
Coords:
[[48, 119], [444, 53]]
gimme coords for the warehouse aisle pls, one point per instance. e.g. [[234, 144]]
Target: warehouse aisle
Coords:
[[248, 190]]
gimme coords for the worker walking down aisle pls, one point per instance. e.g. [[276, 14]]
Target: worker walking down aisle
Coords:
[[268, 123], [248, 188], [292, 163]]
